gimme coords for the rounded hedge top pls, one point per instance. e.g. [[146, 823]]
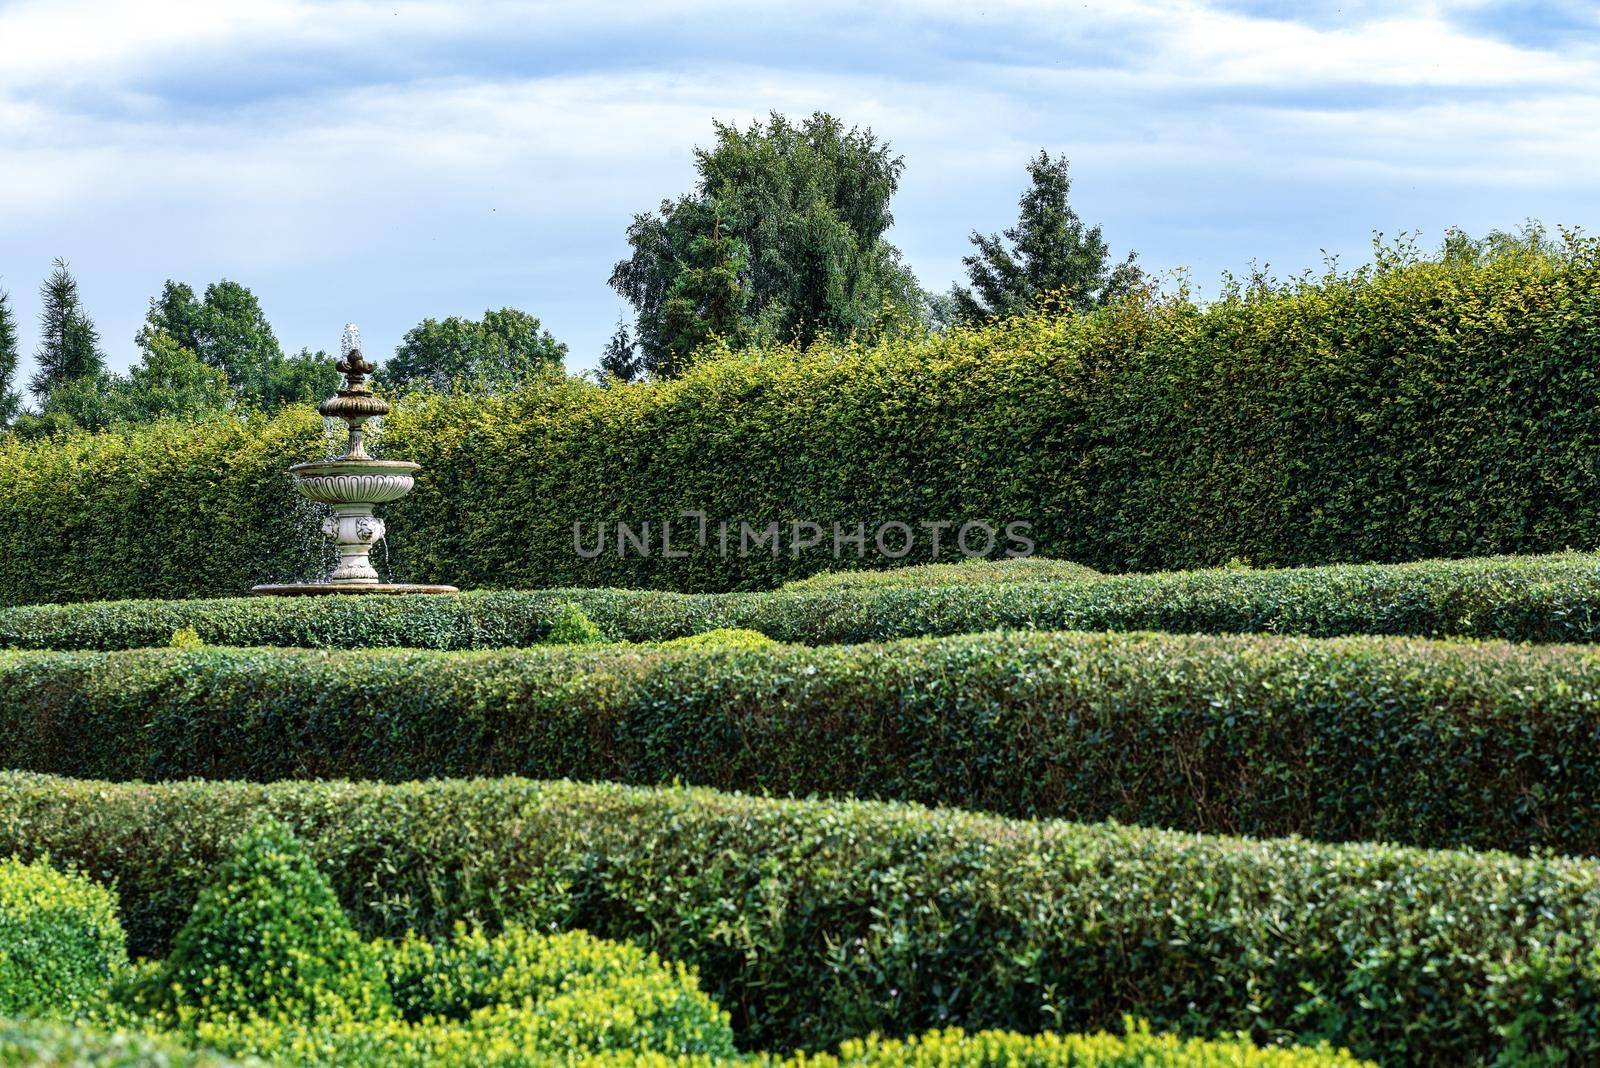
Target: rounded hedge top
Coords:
[[60, 940]]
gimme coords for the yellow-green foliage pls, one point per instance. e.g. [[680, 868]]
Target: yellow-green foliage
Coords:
[[588, 993], [1139, 1048], [814, 921], [519, 997], [49, 1044], [39, 1044], [186, 638], [1004, 1049], [60, 941], [723, 638], [267, 938], [966, 573], [1420, 409], [572, 627], [268, 965]]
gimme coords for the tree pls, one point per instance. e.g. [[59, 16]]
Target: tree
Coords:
[[504, 348], [705, 300], [10, 401], [299, 379], [169, 382], [782, 238], [621, 355], [1048, 253], [226, 330], [69, 345]]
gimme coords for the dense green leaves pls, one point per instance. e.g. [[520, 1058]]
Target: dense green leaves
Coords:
[[226, 329], [266, 938], [504, 349], [43, 1044], [1416, 410], [1540, 599], [783, 238], [1430, 743], [815, 921], [60, 942]]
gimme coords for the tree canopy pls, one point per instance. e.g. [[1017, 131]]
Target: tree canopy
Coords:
[[781, 239], [1049, 253], [225, 330], [504, 348]]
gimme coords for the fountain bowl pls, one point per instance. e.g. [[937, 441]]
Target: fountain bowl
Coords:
[[316, 589], [355, 481]]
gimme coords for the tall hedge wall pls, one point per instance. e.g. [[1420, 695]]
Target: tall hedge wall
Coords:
[[1431, 743], [1536, 599], [814, 921], [1430, 409]]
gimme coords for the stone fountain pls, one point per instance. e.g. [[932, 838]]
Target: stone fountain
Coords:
[[351, 485]]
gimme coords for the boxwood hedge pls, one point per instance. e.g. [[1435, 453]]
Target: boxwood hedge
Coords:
[[1420, 409], [1430, 743], [36, 1044], [1552, 598], [814, 921], [60, 942], [30, 1043]]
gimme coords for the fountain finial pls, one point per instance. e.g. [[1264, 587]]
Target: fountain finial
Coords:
[[355, 403]]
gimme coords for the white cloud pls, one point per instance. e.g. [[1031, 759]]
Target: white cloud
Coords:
[[422, 158]]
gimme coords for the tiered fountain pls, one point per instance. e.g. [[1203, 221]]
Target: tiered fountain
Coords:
[[351, 485]]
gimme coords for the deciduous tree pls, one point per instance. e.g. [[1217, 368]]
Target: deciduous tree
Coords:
[[783, 238], [504, 348]]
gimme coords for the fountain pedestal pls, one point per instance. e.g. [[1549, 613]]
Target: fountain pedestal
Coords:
[[351, 485]]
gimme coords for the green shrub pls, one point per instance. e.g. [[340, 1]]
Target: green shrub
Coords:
[[815, 921], [722, 638], [515, 998], [267, 939], [60, 941], [643, 1004], [49, 1045], [1138, 1048], [572, 627], [185, 638], [1416, 410], [1426, 742], [1544, 599], [42, 1044], [965, 573]]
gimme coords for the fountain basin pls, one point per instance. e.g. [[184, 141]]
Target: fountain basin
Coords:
[[355, 481], [313, 589]]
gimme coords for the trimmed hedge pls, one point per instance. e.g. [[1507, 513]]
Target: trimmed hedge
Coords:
[[1000, 1049], [33, 1044], [967, 572], [1420, 409], [1430, 743], [815, 921], [41, 1044], [1541, 599], [60, 942]]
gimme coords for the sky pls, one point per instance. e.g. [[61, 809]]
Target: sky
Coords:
[[382, 163]]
